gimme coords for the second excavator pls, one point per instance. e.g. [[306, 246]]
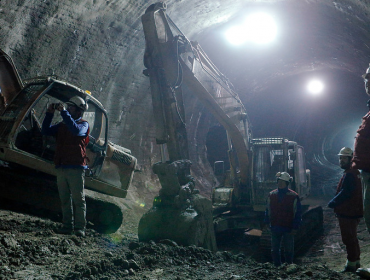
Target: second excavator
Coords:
[[179, 212]]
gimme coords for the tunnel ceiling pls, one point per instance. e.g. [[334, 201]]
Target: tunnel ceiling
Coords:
[[99, 45], [326, 40]]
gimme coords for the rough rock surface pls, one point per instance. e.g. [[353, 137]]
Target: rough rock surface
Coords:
[[30, 249], [98, 45]]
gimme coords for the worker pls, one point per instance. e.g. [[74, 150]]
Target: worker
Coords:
[[361, 161], [347, 204], [283, 215], [70, 161]]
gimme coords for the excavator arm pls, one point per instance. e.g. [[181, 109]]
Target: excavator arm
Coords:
[[172, 60]]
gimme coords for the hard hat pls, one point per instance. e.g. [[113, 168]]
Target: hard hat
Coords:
[[366, 75], [345, 151], [79, 102], [283, 176]]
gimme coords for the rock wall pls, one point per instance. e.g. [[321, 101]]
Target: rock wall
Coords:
[[98, 45]]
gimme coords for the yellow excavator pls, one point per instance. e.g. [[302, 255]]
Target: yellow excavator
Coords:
[[172, 61], [26, 156]]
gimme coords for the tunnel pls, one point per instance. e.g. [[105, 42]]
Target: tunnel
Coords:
[[99, 45]]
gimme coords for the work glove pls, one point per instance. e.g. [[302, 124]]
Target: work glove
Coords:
[[60, 107]]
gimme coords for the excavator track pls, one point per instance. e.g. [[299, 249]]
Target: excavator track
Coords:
[[310, 229], [28, 189]]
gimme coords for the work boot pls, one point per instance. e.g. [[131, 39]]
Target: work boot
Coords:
[[80, 232], [358, 264], [363, 273], [349, 269], [64, 230]]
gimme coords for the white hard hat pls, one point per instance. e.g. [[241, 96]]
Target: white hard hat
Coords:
[[283, 176], [345, 151], [366, 75], [79, 102]]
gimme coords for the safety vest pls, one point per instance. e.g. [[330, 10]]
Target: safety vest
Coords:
[[352, 207], [70, 149], [282, 212]]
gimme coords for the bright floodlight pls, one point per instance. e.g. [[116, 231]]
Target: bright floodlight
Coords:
[[315, 87], [258, 28], [261, 28], [236, 35]]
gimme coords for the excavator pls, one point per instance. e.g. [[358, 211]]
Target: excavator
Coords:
[[179, 212], [26, 156]]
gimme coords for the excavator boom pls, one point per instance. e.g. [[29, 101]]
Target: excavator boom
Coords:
[[171, 60]]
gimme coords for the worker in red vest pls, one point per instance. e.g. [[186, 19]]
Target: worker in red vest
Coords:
[[70, 160], [348, 208], [284, 215], [361, 161]]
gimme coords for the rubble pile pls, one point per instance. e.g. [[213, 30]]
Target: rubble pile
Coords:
[[29, 249]]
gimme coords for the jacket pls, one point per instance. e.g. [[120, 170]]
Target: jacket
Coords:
[[361, 153], [71, 140], [347, 202]]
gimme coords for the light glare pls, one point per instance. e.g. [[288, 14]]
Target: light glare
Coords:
[[236, 35], [259, 28], [315, 87]]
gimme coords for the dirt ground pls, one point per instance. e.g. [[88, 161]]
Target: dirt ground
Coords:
[[30, 249], [329, 249]]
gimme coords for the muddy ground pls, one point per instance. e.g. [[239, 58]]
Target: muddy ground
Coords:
[[30, 249]]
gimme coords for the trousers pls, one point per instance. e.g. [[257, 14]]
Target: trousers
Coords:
[[288, 244], [365, 180], [348, 230], [72, 197]]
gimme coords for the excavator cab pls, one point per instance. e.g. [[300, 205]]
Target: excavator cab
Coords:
[[28, 138], [23, 105], [27, 110], [272, 155], [269, 156], [26, 156], [111, 167]]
